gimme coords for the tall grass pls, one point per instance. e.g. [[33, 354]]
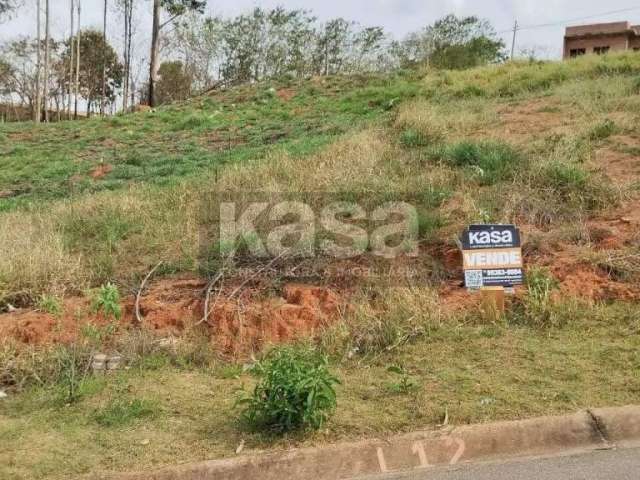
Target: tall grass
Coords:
[[520, 78]]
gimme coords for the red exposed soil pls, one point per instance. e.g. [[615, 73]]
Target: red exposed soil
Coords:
[[173, 306], [101, 171], [286, 94], [537, 118]]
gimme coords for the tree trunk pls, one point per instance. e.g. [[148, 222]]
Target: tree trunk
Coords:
[[155, 45], [125, 86], [71, 60], [103, 100], [128, 34], [36, 111], [77, 82], [47, 41]]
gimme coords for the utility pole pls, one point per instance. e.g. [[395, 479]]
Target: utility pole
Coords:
[[47, 41], [71, 60], [104, 62], [36, 112], [513, 44]]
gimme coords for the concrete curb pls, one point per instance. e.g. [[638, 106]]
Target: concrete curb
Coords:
[[583, 431]]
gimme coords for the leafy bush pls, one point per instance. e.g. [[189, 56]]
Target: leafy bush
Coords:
[[492, 161], [295, 391], [107, 300]]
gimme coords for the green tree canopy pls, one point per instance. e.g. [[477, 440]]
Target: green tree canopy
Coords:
[[174, 84], [93, 53], [452, 42]]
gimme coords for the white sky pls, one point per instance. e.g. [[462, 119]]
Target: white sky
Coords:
[[397, 16]]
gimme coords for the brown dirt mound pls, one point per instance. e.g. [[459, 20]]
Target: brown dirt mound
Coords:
[[171, 307], [586, 281], [35, 327]]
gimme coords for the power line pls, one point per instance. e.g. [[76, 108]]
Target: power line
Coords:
[[571, 20]]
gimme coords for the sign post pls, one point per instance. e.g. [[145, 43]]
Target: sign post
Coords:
[[492, 262]]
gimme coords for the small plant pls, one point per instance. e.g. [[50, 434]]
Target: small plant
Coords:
[[99, 335], [295, 391], [405, 385], [72, 371], [50, 305], [107, 300]]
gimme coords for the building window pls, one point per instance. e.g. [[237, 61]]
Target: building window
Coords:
[[600, 50], [576, 52]]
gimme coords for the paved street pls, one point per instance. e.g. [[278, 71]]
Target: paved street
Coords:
[[599, 465]]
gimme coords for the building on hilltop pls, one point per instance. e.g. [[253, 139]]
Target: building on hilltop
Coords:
[[601, 38]]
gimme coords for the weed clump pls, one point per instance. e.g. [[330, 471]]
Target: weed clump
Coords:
[[50, 304], [490, 162], [412, 138], [107, 300], [541, 307], [123, 412], [295, 391], [602, 130]]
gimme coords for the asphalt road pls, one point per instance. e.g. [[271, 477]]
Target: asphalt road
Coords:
[[598, 465]]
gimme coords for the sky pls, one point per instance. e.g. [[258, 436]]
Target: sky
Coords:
[[397, 16]]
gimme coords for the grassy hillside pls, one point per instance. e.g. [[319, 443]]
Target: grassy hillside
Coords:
[[180, 141], [524, 134], [553, 147]]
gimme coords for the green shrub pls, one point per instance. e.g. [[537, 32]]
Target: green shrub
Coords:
[[490, 161], [107, 300], [295, 391], [635, 87]]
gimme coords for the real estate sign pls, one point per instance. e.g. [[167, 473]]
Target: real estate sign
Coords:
[[492, 256]]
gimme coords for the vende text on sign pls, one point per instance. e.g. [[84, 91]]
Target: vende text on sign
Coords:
[[492, 256]]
